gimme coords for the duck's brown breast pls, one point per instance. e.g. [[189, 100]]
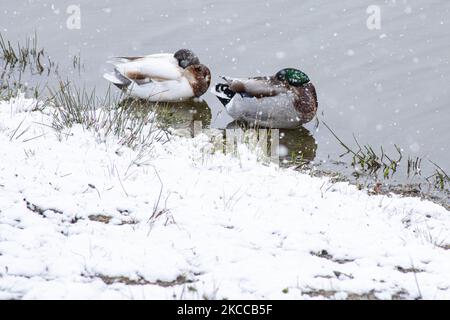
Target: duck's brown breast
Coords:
[[305, 102]]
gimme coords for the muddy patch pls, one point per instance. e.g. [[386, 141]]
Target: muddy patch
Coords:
[[325, 255], [109, 280]]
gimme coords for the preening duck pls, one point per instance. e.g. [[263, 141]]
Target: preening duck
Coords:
[[163, 77], [286, 100]]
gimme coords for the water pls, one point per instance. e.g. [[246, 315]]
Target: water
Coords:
[[388, 86]]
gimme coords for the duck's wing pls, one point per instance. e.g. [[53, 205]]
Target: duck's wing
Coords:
[[256, 87], [115, 60], [156, 67]]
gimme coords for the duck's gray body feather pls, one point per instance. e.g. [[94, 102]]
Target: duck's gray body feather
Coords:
[[275, 112]]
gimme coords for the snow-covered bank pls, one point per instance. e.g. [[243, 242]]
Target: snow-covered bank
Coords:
[[79, 220]]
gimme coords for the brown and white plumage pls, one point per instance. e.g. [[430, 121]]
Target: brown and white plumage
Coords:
[[161, 77]]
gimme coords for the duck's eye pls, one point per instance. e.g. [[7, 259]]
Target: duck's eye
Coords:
[[281, 75]]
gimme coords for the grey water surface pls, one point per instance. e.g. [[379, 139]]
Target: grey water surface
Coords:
[[387, 86]]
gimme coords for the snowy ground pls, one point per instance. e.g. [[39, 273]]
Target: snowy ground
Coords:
[[76, 222]]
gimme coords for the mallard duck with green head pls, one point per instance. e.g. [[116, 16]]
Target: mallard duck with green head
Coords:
[[286, 100]]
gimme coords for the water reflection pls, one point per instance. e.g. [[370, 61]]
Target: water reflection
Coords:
[[177, 115], [299, 143], [295, 144]]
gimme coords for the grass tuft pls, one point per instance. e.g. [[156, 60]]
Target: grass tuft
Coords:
[[367, 160], [19, 63], [105, 115]]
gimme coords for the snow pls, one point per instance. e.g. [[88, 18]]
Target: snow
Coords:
[[76, 223]]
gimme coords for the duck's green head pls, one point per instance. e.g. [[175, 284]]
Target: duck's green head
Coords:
[[292, 76]]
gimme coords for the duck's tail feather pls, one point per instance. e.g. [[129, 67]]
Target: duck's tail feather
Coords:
[[117, 79], [119, 60], [228, 80], [223, 93]]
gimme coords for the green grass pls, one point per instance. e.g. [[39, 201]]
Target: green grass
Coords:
[[439, 178], [367, 160]]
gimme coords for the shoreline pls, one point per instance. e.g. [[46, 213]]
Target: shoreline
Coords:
[[83, 216]]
